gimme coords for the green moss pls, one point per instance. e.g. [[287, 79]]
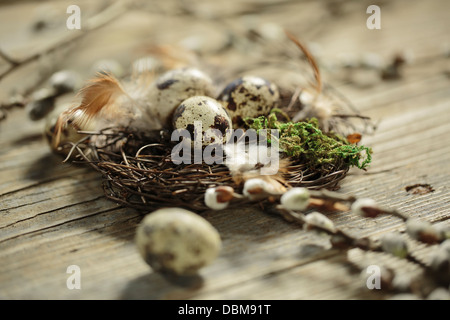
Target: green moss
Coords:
[[304, 140]]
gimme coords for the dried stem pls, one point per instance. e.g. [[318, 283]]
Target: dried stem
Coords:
[[7, 58], [394, 213], [347, 241], [96, 22], [333, 196]]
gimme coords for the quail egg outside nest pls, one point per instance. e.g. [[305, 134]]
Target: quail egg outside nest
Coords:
[[207, 111], [177, 241], [249, 96]]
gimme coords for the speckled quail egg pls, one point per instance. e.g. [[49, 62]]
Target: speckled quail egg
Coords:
[[68, 134], [249, 96], [206, 110], [41, 104], [65, 81], [174, 86], [177, 241]]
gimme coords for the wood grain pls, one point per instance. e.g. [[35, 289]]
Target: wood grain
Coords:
[[53, 215]]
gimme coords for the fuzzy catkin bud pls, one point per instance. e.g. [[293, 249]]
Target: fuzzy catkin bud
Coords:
[[422, 231], [445, 246], [366, 207], [444, 232], [402, 282], [394, 244], [386, 279], [218, 198], [253, 188], [295, 199], [318, 220], [440, 264]]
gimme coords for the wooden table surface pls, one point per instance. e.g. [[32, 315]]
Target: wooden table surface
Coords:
[[54, 215]]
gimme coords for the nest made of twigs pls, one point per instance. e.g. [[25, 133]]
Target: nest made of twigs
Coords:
[[137, 171]]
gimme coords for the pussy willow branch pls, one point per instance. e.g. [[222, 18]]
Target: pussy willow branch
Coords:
[[348, 241], [96, 22]]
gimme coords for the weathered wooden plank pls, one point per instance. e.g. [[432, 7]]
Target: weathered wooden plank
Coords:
[[53, 216]]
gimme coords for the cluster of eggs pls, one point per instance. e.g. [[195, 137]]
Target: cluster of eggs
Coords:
[[184, 96], [180, 98]]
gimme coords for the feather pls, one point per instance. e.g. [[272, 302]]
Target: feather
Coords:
[[100, 93], [310, 59], [107, 102], [315, 103]]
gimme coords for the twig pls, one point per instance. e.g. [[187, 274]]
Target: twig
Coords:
[[394, 213], [7, 58], [96, 22], [330, 195], [340, 239], [351, 116]]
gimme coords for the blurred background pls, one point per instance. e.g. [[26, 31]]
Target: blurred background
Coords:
[[223, 33]]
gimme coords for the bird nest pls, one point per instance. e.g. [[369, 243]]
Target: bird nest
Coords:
[[138, 172], [137, 168]]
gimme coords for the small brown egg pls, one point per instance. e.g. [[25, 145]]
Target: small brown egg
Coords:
[[208, 111], [249, 96], [177, 241]]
